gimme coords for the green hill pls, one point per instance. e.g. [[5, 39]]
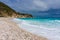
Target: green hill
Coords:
[[6, 11]]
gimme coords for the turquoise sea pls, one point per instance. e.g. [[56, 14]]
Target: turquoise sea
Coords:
[[47, 27]]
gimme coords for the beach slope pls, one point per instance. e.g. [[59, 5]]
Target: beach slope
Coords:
[[10, 31]]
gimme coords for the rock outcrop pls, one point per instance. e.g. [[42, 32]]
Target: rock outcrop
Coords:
[[6, 11]]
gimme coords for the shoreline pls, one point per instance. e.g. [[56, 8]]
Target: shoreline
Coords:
[[11, 27]]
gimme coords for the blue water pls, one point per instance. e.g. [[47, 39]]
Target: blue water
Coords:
[[47, 22], [47, 27]]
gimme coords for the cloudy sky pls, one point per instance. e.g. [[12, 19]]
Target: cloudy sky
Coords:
[[41, 5], [33, 5]]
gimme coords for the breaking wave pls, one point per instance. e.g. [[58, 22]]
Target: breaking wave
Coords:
[[47, 28]]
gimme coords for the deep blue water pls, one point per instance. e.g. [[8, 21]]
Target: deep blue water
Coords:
[[48, 22]]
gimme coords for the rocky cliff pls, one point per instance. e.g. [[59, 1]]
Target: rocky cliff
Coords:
[[6, 11]]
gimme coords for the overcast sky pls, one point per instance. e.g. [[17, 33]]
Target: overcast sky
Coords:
[[41, 5]]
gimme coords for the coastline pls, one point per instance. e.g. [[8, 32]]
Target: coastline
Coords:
[[14, 32]]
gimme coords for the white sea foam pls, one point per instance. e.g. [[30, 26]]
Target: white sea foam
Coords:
[[52, 33]]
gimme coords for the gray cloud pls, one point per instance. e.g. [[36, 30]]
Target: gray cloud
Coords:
[[41, 5]]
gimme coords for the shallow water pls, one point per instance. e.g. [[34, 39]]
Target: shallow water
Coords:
[[49, 28]]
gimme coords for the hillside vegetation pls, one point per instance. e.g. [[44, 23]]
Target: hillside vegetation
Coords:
[[6, 11]]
